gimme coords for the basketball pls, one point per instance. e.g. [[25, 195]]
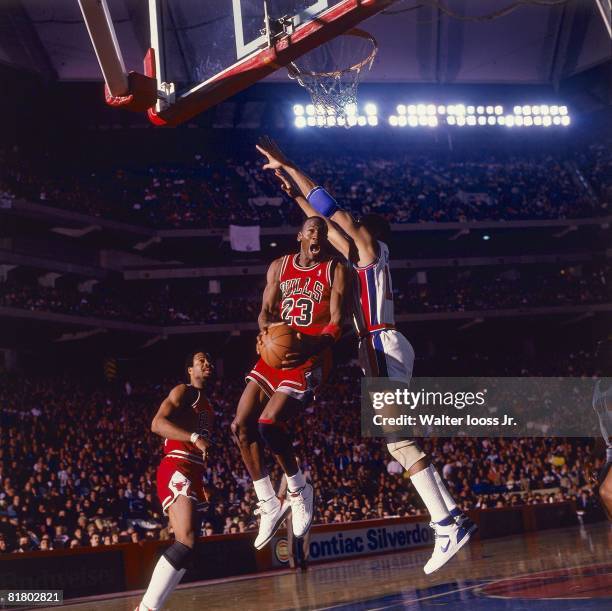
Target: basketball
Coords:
[[277, 342]]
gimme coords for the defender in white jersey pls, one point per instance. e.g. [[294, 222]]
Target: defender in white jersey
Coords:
[[383, 351]]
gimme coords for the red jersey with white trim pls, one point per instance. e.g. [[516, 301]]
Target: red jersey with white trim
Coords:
[[375, 294], [193, 399], [306, 294]]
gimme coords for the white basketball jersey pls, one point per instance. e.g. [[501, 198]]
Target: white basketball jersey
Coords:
[[375, 293]]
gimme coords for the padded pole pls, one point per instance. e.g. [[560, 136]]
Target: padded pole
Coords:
[[102, 33]]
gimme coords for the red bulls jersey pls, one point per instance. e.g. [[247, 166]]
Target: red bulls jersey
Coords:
[[305, 294], [194, 400]]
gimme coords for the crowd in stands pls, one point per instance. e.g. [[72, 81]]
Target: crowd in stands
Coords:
[[205, 191], [64, 484], [453, 291]]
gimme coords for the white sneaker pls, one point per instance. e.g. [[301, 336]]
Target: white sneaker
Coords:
[[448, 541], [302, 509], [273, 512]]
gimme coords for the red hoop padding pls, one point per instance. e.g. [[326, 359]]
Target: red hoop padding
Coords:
[[142, 94]]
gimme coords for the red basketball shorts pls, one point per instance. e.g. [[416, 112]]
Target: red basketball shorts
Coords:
[[300, 383], [176, 477]]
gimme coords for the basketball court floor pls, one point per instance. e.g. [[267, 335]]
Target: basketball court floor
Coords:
[[553, 570]]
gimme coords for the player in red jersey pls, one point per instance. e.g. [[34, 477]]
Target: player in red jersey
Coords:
[[184, 420], [305, 290]]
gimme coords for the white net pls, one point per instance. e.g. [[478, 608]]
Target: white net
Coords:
[[331, 74]]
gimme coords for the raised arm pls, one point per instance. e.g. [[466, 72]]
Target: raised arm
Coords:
[[316, 201], [164, 423]]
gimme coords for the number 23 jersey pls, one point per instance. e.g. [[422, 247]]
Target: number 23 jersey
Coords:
[[306, 294]]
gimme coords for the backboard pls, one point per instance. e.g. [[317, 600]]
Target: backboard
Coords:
[[207, 50]]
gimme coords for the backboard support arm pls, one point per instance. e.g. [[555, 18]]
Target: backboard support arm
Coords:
[[104, 40]]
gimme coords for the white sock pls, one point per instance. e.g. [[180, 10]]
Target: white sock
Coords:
[[164, 579], [449, 501], [427, 487], [263, 488], [296, 481]]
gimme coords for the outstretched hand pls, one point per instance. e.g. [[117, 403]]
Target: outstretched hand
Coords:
[[275, 157]]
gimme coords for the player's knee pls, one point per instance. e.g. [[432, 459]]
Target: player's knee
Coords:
[[406, 452], [180, 555], [274, 436], [241, 432]]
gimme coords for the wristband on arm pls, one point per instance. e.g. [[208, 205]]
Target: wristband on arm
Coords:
[[194, 437], [322, 202], [333, 330]]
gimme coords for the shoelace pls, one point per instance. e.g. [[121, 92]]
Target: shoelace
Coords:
[[297, 500], [260, 509]]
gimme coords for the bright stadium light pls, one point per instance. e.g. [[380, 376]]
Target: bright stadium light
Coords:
[[535, 110], [311, 121], [350, 110], [490, 110], [470, 110], [412, 109], [491, 120], [471, 120], [547, 121], [450, 119], [518, 120], [331, 121], [351, 120], [401, 109], [460, 109], [501, 120], [557, 120], [526, 110], [537, 120], [402, 121], [460, 120], [413, 121], [393, 121], [441, 109], [563, 110], [554, 110], [362, 120], [431, 109], [544, 109], [518, 110], [373, 120], [300, 121], [320, 120], [421, 109], [370, 109], [432, 121], [422, 121], [480, 110], [499, 110], [528, 122], [341, 121], [509, 120], [482, 120], [310, 110], [298, 110], [321, 110], [565, 121]]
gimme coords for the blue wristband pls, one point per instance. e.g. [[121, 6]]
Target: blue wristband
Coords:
[[322, 201]]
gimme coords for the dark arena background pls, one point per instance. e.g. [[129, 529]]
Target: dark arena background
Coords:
[[482, 135]]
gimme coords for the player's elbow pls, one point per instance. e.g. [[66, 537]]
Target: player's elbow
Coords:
[[155, 425]]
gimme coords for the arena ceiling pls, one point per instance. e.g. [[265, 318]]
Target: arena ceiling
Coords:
[[420, 42]]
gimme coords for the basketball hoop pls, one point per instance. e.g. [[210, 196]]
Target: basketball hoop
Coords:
[[333, 89]]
